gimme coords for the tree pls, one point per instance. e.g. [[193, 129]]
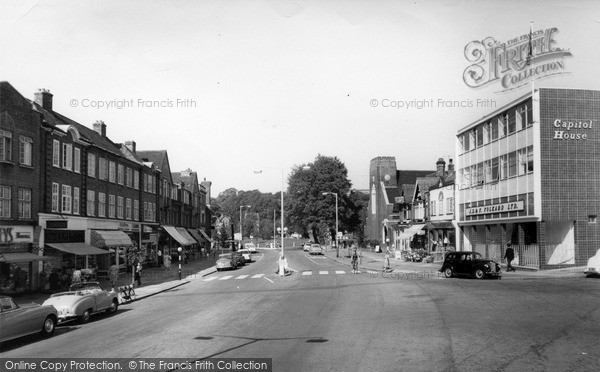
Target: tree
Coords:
[[308, 210]]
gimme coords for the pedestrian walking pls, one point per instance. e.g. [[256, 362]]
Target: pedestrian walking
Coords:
[[509, 254], [138, 273], [167, 261], [113, 274], [160, 257]]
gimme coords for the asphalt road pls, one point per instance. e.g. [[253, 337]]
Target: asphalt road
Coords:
[[324, 318]]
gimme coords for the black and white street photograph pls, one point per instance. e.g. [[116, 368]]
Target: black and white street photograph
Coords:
[[296, 185]]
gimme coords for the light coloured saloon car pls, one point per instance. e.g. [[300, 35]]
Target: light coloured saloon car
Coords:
[[82, 300], [593, 265], [17, 321]]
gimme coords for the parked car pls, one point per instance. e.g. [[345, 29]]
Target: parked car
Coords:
[[593, 265], [226, 261], [82, 301], [241, 261], [306, 247], [469, 263], [315, 249], [250, 247], [246, 254], [17, 321]]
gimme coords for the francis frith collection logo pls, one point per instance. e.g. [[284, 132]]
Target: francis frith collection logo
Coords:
[[515, 62]]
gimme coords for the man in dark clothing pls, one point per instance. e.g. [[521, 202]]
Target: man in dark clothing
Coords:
[[509, 254]]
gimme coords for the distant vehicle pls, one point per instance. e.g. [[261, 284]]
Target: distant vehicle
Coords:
[[17, 321], [241, 261], [306, 247], [250, 247], [226, 261], [470, 263], [82, 300], [315, 249], [593, 265], [246, 254]]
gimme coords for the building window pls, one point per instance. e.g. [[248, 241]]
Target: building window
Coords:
[[76, 160], [56, 153], [101, 204], [479, 135], [522, 161], [145, 211], [102, 169], [493, 130], [91, 203], [66, 199], [121, 174], [441, 204], [592, 218], [433, 209], [529, 159], [511, 121], [136, 210], [67, 158], [120, 207], [129, 177], [91, 165], [494, 170], [503, 167], [112, 169], [128, 209], [136, 180], [153, 212], [75, 200], [111, 206], [5, 199], [5, 145], [25, 148], [512, 164], [55, 196], [450, 206], [24, 203], [501, 126]]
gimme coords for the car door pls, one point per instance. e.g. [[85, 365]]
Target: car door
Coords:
[[14, 320], [460, 265], [101, 298]]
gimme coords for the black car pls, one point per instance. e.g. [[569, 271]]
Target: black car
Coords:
[[471, 264]]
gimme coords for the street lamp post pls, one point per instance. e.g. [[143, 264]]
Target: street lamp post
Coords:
[[337, 246], [241, 234]]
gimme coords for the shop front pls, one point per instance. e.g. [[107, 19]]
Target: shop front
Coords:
[[17, 259], [118, 244], [409, 238], [172, 239]]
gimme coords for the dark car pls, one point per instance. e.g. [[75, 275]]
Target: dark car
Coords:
[[239, 258], [470, 264]]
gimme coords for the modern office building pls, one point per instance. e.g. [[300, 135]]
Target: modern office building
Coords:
[[529, 174]]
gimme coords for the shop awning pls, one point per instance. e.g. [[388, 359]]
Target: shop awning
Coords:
[[440, 225], [205, 235], [186, 234], [110, 238], [21, 257], [196, 235], [410, 231], [80, 249], [171, 230]]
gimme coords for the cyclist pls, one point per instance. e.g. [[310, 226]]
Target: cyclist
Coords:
[[354, 261]]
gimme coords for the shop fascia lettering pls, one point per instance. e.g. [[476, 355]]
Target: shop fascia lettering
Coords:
[[565, 126], [495, 208]]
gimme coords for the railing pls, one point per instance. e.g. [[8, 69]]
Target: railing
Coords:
[[525, 255]]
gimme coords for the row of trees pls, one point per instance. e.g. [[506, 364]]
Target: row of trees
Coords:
[[307, 211]]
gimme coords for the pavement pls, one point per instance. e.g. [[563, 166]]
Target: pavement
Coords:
[[372, 261], [154, 280]]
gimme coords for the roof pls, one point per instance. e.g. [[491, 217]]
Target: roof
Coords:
[[410, 176], [159, 158], [392, 193], [189, 179]]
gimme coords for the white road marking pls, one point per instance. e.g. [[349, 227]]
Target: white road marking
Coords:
[[307, 273], [211, 278], [313, 261], [264, 277], [261, 257], [323, 272], [242, 277], [257, 276], [340, 272], [226, 277]]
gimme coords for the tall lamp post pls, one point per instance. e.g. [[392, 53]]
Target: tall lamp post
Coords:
[[241, 234], [337, 246]]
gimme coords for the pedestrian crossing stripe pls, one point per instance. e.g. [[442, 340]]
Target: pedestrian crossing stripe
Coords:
[[340, 272], [323, 272], [226, 277], [257, 276], [242, 276], [307, 273], [211, 278]]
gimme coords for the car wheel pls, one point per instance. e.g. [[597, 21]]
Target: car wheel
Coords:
[[49, 326], [479, 274], [85, 317], [113, 307], [448, 273]]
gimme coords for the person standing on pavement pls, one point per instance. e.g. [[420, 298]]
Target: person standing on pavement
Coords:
[[159, 258], [113, 274], [509, 254], [138, 273]]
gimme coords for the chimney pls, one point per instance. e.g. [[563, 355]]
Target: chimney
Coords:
[[43, 98], [450, 166], [207, 185], [441, 167], [100, 128], [129, 144]]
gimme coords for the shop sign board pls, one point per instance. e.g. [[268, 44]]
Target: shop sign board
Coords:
[[495, 208], [16, 234], [572, 129]]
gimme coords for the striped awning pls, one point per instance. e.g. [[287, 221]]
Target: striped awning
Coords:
[[186, 234], [110, 238], [80, 249], [172, 230]]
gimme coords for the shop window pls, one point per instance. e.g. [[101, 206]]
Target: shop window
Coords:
[[25, 148], [5, 199]]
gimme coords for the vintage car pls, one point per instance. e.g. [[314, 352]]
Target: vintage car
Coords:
[[250, 247], [17, 321], [315, 249], [306, 247], [593, 265], [82, 300], [226, 261], [246, 254], [470, 264]]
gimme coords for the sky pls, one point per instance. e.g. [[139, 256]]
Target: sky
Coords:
[[232, 88]]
